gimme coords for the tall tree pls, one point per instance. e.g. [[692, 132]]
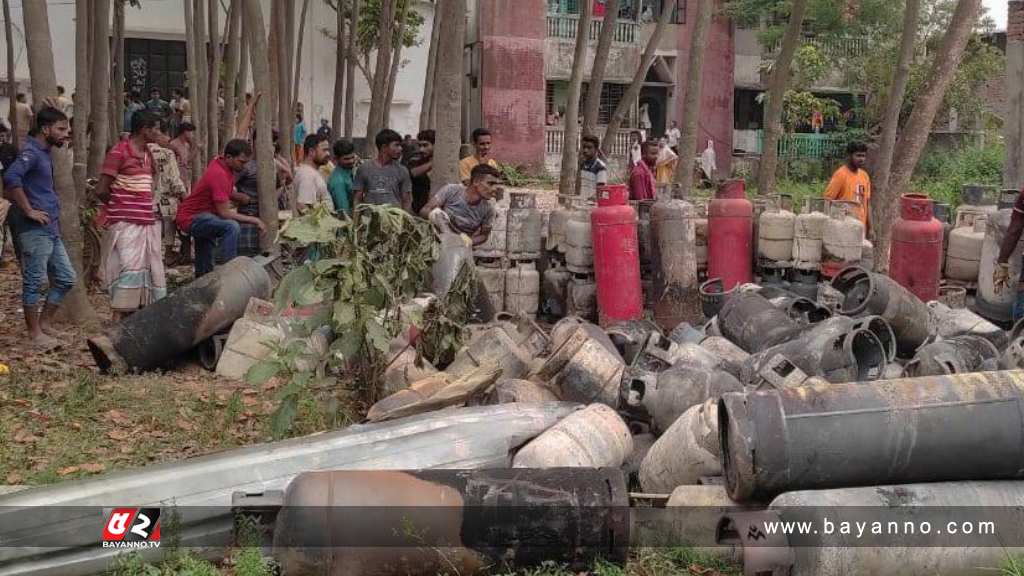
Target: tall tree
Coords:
[[298, 49], [100, 92], [340, 61], [629, 99], [231, 65], [692, 101], [266, 173], [918, 127], [80, 128], [396, 64], [350, 69], [243, 65], [274, 36], [213, 84], [592, 106], [380, 75], [891, 121], [200, 100], [43, 78], [776, 95], [448, 93], [285, 105], [12, 83], [192, 58], [117, 76], [426, 112], [570, 146]]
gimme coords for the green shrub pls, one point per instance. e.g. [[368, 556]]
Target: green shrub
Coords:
[[942, 173]]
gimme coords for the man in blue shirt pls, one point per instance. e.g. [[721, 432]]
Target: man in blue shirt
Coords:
[[34, 219]]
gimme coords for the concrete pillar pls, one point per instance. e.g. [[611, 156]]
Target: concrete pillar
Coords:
[[1013, 176], [512, 38]]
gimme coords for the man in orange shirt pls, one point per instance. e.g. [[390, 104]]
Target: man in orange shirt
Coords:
[[851, 181]]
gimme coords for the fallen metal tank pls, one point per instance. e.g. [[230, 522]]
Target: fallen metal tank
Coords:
[[996, 306], [427, 522], [582, 297], [915, 258], [579, 245], [554, 290], [585, 367], [713, 296], [776, 233], [947, 322], [492, 276], [808, 235], [843, 239], [688, 450], [963, 258], [679, 388], [169, 327], [724, 349], [752, 323], [964, 427], [956, 355], [511, 390], [685, 332], [674, 262], [525, 227], [595, 437], [492, 346], [730, 235], [497, 242], [869, 293], [925, 551], [522, 289]]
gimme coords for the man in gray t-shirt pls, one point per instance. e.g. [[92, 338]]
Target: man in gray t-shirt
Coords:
[[467, 209], [384, 180]]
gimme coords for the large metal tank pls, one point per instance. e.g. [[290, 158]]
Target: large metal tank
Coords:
[[522, 289], [525, 227], [808, 234], [554, 290], [915, 258], [579, 244], [843, 239], [996, 306], [675, 263], [963, 257], [616, 257], [595, 437], [497, 241], [730, 235], [492, 276], [876, 294], [775, 234], [581, 296]]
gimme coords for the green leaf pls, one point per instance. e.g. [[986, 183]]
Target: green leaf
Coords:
[[344, 312], [262, 371], [283, 418], [308, 295], [318, 227], [348, 345], [290, 284], [377, 336]]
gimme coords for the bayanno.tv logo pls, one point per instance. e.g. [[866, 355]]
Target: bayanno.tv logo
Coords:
[[132, 528]]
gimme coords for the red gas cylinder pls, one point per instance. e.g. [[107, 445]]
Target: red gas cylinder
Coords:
[[613, 226], [915, 257], [731, 235]]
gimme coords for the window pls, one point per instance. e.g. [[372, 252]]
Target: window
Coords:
[[549, 97], [611, 95], [154, 64], [652, 10]]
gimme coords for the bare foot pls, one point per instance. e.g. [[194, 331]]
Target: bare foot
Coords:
[[51, 331], [45, 343]]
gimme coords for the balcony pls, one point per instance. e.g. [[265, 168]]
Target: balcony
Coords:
[[554, 140], [564, 26]]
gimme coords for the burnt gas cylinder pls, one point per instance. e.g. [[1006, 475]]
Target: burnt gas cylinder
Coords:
[[426, 522], [963, 427], [869, 293], [643, 230], [554, 290], [585, 367], [688, 450], [630, 337], [509, 391], [947, 322], [683, 386], [726, 350], [492, 276], [674, 261], [917, 553], [713, 296], [525, 227], [956, 355], [492, 346], [581, 296], [803, 310], [168, 328], [685, 332], [752, 323], [595, 437]]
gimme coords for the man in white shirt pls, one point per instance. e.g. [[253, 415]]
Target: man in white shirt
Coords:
[[310, 186], [673, 136]]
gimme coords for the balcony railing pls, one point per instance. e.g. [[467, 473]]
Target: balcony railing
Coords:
[[565, 25], [832, 47], [797, 145], [554, 139]]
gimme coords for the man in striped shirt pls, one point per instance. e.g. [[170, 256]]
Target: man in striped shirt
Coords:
[[133, 268]]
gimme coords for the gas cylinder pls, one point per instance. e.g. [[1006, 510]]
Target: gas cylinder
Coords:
[[582, 297], [579, 252], [975, 201], [643, 212], [915, 259], [730, 235], [554, 290], [496, 243], [943, 213], [492, 277], [808, 232], [775, 233], [700, 229], [996, 306], [963, 258], [525, 223], [557, 222], [674, 261], [616, 257], [522, 289], [843, 239]]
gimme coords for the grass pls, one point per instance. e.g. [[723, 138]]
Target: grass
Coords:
[[1014, 566]]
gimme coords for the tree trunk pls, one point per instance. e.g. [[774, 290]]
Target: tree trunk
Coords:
[[243, 65], [298, 51], [275, 65], [915, 133], [340, 59], [378, 91], [80, 141], [117, 78], [776, 94], [266, 173], [231, 66], [633, 91], [192, 58], [448, 94], [592, 106], [1013, 124], [100, 91], [213, 85], [43, 78], [891, 120], [350, 70], [692, 101], [200, 104], [570, 141], [285, 106], [396, 64], [12, 83], [428, 86]]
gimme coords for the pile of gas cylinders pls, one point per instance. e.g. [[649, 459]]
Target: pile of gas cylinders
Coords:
[[507, 263]]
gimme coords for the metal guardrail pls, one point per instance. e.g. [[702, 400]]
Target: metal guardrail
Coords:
[[807, 145], [554, 140], [565, 25]]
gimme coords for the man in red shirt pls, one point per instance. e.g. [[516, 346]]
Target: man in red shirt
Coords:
[[207, 216], [641, 178], [132, 264]]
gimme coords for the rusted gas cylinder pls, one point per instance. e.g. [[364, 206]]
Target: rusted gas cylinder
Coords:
[[929, 549], [595, 437], [674, 261], [753, 323], [730, 235], [915, 259], [584, 366], [964, 427], [426, 522], [525, 227], [869, 293], [686, 451], [616, 257], [164, 330], [956, 355]]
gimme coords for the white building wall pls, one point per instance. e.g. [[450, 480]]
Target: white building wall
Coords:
[[164, 20]]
